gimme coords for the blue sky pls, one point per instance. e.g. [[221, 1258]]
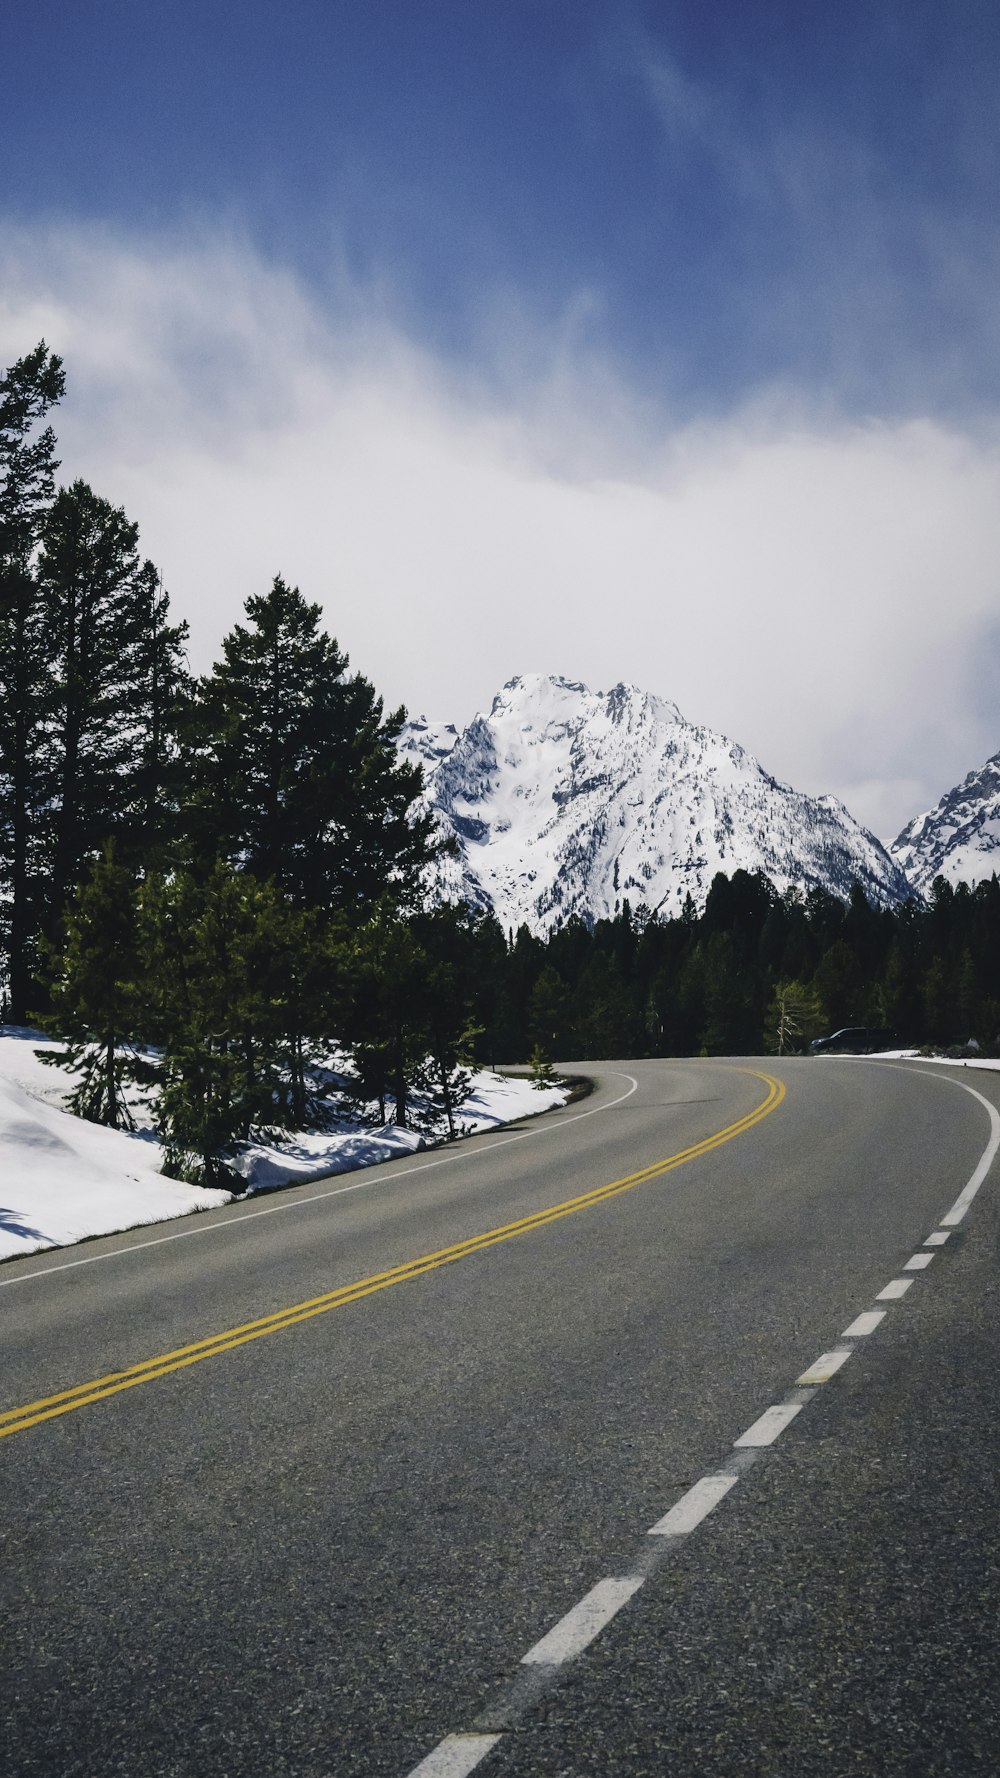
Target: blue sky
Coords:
[[728, 194], [681, 311]]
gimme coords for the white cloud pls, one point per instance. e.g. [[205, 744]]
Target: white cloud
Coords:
[[825, 593]]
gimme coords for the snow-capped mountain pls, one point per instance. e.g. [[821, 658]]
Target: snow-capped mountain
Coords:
[[959, 839], [568, 801]]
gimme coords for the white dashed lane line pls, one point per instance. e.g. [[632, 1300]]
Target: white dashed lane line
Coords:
[[455, 1757], [694, 1506], [574, 1632], [827, 1366], [894, 1291], [458, 1754], [770, 1426], [864, 1324]]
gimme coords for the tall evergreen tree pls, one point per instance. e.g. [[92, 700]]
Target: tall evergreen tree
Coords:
[[386, 1021], [734, 999], [448, 935], [165, 691], [296, 769], [548, 1014], [205, 944], [115, 666], [27, 480], [602, 1015], [839, 982]]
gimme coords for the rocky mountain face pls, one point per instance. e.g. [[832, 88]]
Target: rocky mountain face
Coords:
[[568, 801], [959, 839]]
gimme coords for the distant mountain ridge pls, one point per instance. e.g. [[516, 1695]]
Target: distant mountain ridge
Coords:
[[959, 839], [568, 801]]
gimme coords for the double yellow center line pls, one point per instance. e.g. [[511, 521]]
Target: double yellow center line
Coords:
[[68, 1400]]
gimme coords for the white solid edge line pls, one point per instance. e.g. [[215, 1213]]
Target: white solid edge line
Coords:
[[455, 1756], [918, 1263], [826, 1366], [968, 1192], [694, 1506], [571, 1635], [771, 1424], [894, 1291], [594, 1109], [338, 1191], [864, 1324], [213, 1228]]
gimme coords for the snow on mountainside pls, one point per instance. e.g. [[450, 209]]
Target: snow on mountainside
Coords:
[[959, 839], [568, 801], [427, 742]]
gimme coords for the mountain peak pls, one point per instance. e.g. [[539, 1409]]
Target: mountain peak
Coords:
[[536, 689], [959, 838], [569, 801], [544, 695]]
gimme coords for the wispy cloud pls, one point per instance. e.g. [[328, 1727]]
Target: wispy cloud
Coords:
[[825, 592], [869, 276]]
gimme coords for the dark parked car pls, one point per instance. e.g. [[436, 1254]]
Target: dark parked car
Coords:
[[858, 1040]]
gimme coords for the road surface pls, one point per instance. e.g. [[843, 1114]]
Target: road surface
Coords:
[[363, 1478]]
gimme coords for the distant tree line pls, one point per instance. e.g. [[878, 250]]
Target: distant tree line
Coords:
[[208, 884], [758, 971]]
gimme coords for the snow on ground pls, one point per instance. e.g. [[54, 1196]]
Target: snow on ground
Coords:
[[62, 1179], [942, 1061]]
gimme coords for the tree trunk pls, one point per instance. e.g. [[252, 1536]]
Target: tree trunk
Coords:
[[399, 1077], [298, 1083], [110, 1089], [20, 909], [446, 1092]]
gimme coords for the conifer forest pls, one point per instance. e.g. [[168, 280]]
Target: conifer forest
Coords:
[[210, 884]]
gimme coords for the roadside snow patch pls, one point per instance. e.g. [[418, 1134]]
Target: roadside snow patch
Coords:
[[62, 1179]]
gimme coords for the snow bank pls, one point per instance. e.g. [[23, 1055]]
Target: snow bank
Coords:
[[941, 1061], [62, 1179]]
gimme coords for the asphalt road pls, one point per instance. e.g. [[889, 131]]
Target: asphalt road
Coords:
[[324, 1545]]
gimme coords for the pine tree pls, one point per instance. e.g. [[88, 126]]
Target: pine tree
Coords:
[[487, 964], [96, 994], [385, 1022], [448, 936], [603, 1023], [940, 997], [164, 702], [302, 958], [734, 1000], [296, 768], [526, 958], [542, 1073], [113, 667], [548, 1012], [213, 1015], [969, 997], [793, 1017], [839, 984], [27, 479], [897, 1004]]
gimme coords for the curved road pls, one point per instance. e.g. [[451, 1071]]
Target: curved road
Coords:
[[362, 1478]]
